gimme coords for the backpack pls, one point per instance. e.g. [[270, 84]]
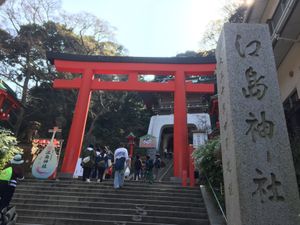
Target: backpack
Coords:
[[100, 161], [138, 164], [120, 162], [157, 163], [150, 164]]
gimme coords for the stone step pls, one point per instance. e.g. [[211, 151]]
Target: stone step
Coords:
[[109, 194], [130, 210], [106, 189], [96, 186], [114, 205], [27, 220], [66, 202], [52, 197], [115, 217], [138, 184]]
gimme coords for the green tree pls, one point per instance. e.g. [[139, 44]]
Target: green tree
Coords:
[[126, 114], [8, 147], [28, 33], [233, 12]]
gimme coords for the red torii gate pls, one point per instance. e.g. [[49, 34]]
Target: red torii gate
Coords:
[[88, 66]]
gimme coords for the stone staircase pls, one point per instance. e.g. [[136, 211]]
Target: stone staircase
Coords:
[[73, 202]]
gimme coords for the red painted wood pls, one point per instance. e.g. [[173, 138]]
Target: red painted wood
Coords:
[[184, 178], [12, 104], [180, 125], [131, 150], [67, 84], [125, 68], [191, 166], [76, 134], [2, 98], [134, 86]]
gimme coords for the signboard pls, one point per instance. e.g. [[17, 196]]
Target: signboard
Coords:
[[199, 139], [45, 163], [147, 141]]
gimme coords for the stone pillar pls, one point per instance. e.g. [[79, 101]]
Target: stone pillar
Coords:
[[260, 181]]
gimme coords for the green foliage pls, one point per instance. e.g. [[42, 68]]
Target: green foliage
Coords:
[[207, 162], [126, 113], [8, 147]]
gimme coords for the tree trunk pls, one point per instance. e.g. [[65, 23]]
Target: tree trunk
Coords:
[[88, 135], [23, 102]]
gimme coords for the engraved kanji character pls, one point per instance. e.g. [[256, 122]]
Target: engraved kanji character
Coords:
[[251, 48], [264, 189], [273, 187], [44, 165], [263, 128], [260, 190], [254, 88]]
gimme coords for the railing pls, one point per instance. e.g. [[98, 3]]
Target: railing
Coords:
[[216, 198]]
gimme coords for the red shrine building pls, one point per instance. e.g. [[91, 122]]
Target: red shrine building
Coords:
[[8, 101], [181, 68]]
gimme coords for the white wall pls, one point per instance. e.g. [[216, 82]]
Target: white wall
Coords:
[[291, 62], [159, 121]]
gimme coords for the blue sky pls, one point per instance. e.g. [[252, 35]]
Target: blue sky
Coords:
[[152, 28]]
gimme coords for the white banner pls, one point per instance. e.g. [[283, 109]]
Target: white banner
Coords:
[[78, 170], [199, 139]]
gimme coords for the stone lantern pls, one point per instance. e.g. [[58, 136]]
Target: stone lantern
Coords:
[[130, 139]]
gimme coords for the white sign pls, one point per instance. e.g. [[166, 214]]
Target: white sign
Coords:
[[147, 141], [78, 170], [45, 163], [199, 139]]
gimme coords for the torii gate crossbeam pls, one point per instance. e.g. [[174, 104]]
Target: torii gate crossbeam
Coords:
[[88, 66]]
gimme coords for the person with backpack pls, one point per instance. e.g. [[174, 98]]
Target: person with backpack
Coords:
[[88, 163], [149, 169], [8, 180], [100, 164], [157, 165], [137, 168], [121, 160]]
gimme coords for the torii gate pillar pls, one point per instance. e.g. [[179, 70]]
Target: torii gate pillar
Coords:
[[78, 123]]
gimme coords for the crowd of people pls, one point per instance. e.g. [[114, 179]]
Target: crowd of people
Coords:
[[101, 163], [96, 163], [147, 170]]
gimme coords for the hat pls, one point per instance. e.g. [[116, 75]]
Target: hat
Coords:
[[17, 159]]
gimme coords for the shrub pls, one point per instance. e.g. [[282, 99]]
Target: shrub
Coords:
[[8, 147], [207, 159]]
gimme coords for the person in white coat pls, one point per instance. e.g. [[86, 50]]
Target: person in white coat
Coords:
[[121, 160]]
